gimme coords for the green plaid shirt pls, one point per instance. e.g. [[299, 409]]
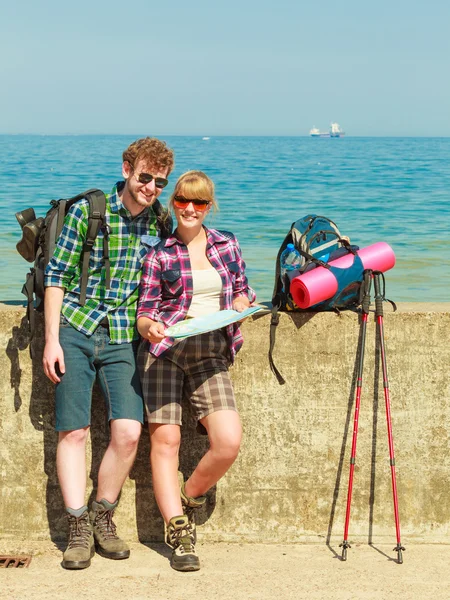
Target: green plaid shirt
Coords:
[[127, 252]]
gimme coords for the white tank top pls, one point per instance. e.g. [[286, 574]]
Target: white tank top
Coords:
[[207, 286]]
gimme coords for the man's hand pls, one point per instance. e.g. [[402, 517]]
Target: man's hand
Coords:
[[53, 359], [53, 353]]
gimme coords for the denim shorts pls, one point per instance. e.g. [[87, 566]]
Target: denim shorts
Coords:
[[90, 358]]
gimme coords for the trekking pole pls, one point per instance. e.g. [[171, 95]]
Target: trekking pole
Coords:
[[379, 298], [365, 305]]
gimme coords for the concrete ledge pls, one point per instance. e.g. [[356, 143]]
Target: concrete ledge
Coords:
[[289, 483]]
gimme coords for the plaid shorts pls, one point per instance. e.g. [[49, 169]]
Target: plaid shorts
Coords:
[[195, 369]]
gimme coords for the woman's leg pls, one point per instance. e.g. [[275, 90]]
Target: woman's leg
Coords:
[[210, 391], [162, 384], [165, 445], [225, 433]]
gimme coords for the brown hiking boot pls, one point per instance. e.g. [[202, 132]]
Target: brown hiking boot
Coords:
[[107, 543], [80, 548], [190, 505], [179, 537]]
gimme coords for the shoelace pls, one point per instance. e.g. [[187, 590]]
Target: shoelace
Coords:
[[106, 525], [79, 532], [181, 539]]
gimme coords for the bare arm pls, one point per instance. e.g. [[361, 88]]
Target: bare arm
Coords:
[[53, 353]]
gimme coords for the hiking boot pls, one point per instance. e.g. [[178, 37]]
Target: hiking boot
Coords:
[[179, 537], [80, 548], [190, 505], [107, 543]]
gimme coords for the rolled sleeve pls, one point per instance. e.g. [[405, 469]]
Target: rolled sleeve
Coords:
[[241, 287], [150, 288]]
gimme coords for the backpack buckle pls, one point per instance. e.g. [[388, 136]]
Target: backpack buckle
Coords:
[[275, 319]]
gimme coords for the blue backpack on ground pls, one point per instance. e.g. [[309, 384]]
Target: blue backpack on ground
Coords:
[[314, 241], [317, 241]]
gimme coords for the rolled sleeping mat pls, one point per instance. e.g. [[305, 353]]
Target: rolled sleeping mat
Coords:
[[319, 284]]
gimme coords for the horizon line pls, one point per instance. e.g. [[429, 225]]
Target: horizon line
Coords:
[[220, 135]]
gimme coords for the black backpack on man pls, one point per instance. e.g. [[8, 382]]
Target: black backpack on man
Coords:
[[40, 235]]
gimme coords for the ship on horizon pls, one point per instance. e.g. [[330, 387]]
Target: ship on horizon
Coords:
[[335, 132]]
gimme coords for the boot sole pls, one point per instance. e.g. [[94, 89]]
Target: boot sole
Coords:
[[74, 565], [112, 555]]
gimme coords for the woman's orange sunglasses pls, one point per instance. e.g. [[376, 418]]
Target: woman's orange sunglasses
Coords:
[[182, 202]]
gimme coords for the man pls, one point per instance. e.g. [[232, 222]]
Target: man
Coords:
[[98, 340]]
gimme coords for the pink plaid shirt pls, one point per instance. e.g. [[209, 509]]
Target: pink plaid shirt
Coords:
[[166, 284]]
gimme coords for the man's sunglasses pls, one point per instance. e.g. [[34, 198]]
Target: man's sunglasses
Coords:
[[182, 202], [144, 178]]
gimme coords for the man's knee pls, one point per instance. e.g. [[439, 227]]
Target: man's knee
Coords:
[[125, 434], [76, 437]]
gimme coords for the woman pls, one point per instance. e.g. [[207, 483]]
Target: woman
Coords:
[[194, 272]]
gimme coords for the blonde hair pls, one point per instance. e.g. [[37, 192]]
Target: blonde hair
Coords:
[[194, 185]]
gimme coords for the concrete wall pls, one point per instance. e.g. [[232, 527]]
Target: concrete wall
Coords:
[[289, 483]]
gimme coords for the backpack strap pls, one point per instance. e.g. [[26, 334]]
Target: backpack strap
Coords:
[[383, 290], [276, 295], [323, 233], [59, 225], [276, 305], [106, 262], [310, 258], [273, 329], [97, 209], [28, 291]]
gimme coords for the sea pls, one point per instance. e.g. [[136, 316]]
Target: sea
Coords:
[[395, 190]]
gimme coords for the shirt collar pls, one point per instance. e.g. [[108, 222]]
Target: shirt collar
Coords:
[[212, 237], [116, 205]]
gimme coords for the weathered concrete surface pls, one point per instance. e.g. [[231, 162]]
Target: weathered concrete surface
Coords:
[[241, 571], [289, 483]]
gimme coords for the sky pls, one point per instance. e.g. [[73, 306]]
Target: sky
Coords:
[[240, 67]]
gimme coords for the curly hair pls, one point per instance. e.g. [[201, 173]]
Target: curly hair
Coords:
[[155, 153]]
